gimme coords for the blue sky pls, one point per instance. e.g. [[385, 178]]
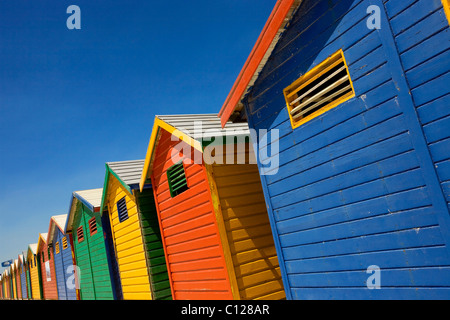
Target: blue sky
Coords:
[[71, 100]]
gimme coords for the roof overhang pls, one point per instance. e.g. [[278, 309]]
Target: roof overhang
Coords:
[[76, 199], [159, 124], [111, 173], [56, 221], [278, 20], [42, 240], [32, 248]]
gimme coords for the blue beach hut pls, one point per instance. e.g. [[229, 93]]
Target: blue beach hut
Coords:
[[350, 99]]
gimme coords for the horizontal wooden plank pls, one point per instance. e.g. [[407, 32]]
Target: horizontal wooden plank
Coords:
[[431, 90], [269, 265], [207, 285], [198, 264], [404, 258], [420, 31], [417, 218], [440, 150], [394, 7], [203, 295], [396, 239], [437, 130], [136, 296], [191, 234], [426, 49], [402, 201], [414, 293], [418, 10], [252, 292], [202, 253]]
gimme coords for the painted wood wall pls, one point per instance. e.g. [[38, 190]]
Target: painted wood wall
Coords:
[[192, 244], [63, 260], [28, 279], [246, 225], [422, 36], [23, 283], [356, 186], [34, 277], [14, 283], [90, 255], [49, 286], [154, 251], [128, 241]]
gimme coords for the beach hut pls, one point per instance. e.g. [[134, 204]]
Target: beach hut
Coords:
[[26, 270], [18, 280], [6, 285], [135, 232], [47, 264], [61, 244], [34, 272], [90, 244], [215, 228], [23, 277], [15, 280], [357, 94]]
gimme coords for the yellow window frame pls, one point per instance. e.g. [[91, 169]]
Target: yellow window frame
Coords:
[[309, 77]]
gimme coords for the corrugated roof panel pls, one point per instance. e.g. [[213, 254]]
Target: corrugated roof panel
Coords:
[[210, 125], [33, 247], [93, 196], [60, 220], [128, 171]]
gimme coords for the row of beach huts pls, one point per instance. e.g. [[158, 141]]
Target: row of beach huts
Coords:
[[325, 175]]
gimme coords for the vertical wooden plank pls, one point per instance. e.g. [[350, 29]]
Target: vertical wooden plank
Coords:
[[222, 232]]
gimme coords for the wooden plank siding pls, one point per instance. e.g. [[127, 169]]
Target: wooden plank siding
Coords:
[[154, 251], [64, 260], [247, 227], [192, 244], [83, 259], [355, 186], [128, 241], [34, 277], [422, 37], [23, 281], [28, 280], [95, 281], [16, 284], [48, 284]]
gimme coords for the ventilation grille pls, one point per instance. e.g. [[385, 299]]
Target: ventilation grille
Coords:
[[122, 209], [64, 242], [80, 234], [92, 226], [57, 248], [177, 179], [319, 90]]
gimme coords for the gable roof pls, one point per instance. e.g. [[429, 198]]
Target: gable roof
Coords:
[[32, 248], [56, 221], [190, 128], [91, 198], [276, 24], [128, 174], [42, 239]]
